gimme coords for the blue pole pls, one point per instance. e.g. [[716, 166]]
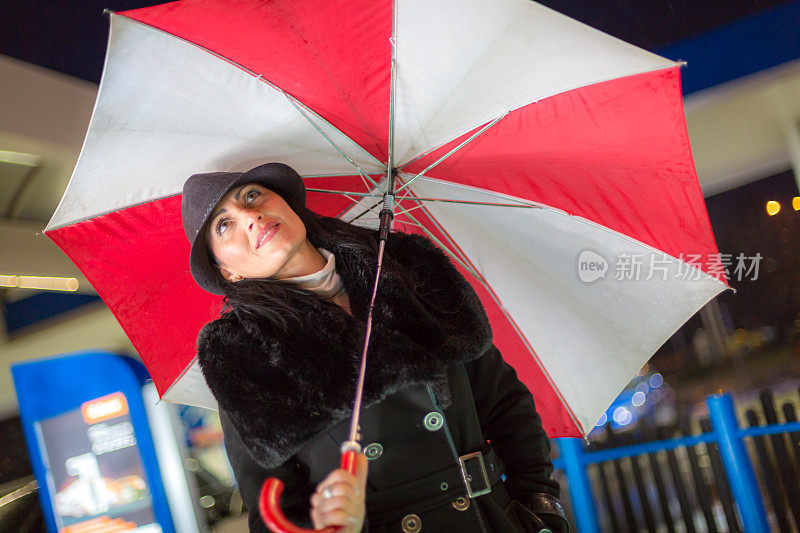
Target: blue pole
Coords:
[[580, 491], [737, 463]]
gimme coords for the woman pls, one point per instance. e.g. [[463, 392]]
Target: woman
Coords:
[[282, 362]]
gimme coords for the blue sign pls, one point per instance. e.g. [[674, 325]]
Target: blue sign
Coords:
[[90, 443]]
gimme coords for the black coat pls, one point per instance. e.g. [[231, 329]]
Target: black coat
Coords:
[[285, 399]]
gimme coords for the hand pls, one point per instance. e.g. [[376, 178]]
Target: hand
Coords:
[[344, 504]]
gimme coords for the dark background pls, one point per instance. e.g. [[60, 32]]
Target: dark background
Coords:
[[70, 36]]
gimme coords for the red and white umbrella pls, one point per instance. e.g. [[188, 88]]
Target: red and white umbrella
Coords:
[[536, 151]]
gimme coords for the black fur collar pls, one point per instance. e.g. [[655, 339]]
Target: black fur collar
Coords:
[[282, 389]]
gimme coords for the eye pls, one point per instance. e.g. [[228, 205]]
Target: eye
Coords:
[[222, 225], [251, 195]]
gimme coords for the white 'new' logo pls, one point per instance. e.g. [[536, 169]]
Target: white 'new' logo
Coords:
[[591, 266]]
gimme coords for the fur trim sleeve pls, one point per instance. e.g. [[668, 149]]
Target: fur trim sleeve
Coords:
[[240, 368]]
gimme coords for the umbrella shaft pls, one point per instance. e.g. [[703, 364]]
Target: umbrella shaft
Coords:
[[353, 436], [385, 227]]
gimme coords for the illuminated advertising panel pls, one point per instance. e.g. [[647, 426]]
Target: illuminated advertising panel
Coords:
[[94, 469], [91, 445]]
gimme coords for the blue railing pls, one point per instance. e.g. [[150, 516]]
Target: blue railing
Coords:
[[727, 435]]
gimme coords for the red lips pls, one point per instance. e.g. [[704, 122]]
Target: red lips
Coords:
[[269, 231]]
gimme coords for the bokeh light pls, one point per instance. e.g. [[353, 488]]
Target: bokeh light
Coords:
[[638, 399], [622, 416], [773, 207]]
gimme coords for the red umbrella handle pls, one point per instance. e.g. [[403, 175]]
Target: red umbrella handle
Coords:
[[270, 508]]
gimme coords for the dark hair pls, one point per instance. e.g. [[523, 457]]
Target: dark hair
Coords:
[[271, 299]]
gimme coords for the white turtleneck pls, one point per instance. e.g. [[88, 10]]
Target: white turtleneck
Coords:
[[325, 282]]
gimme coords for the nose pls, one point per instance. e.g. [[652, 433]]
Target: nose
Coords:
[[249, 218], [252, 220]]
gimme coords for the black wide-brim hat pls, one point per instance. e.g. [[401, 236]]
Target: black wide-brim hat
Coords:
[[202, 193]]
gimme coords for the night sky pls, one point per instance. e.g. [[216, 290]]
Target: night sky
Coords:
[[70, 37]]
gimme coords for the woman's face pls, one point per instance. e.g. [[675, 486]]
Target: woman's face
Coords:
[[253, 233]]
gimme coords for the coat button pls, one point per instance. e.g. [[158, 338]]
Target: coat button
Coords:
[[411, 523], [461, 503], [373, 451], [433, 421]]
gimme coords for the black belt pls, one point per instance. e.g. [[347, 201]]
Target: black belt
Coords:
[[473, 476]]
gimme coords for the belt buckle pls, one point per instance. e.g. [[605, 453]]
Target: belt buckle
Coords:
[[476, 469]]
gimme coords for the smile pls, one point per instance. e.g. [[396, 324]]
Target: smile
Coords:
[[267, 234]]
